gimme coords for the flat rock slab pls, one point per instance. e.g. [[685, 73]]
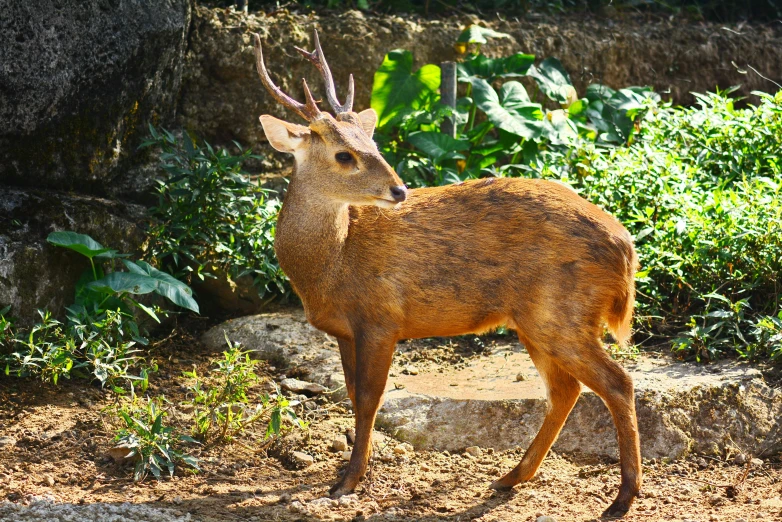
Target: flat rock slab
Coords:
[[681, 407]]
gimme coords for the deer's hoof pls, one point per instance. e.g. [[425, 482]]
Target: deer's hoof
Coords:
[[616, 510]]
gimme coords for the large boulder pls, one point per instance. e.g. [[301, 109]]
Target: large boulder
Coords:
[[79, 80], [36, 275], [222, 96]]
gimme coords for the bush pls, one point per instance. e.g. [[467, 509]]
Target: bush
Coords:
[[210, 220], [700, 190], [101, 331]]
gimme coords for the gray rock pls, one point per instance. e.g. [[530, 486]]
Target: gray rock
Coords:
[[36, 275], [7, 442], [740, 459], [297, 386], [81, 79]]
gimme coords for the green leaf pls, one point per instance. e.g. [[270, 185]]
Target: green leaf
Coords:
[[81, 243], [552, 79], [167, 286], [481, 66], [438, 146], [117, 282], [517, 119], [396, 89], [479, 35], [513, 95]]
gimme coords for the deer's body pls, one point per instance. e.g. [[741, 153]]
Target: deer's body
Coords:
[[455, 260], [374, 263]]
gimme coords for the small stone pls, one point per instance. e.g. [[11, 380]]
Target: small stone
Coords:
[[297, 386], [410, 370], [386, 457], [475, 451], [702, 464], [348, 500], [7, 441], [740, 459], [285, 498], [302, 459], [339, 444], [297, 507], [178, 500], [545, 518], [346, 455], [424, 467], [757, 463], [404, 448], [49, 480], [323, 502], [520, 377]]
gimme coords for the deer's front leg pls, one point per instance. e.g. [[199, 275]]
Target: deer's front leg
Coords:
[[373, 360]]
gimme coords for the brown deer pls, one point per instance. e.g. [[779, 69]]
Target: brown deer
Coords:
[[374, 262]]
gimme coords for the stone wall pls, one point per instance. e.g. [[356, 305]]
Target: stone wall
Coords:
[[222, 96]]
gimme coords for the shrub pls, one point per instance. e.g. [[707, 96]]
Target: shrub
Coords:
[[221, 403], [210, 219], [154, 446], [101, 331]]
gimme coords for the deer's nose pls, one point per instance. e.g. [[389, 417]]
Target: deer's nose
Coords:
[[399, 193]]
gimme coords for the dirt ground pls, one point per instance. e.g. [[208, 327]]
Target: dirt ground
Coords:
[[62, 439]]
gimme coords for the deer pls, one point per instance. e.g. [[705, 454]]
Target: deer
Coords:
[[374, 262]]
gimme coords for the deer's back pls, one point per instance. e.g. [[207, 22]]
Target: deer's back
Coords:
[[457, 259]]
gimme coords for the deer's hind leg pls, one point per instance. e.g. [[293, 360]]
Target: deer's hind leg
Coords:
[[562, 391]]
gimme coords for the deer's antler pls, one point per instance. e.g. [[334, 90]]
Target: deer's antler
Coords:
[[309, 110], [319, 60]]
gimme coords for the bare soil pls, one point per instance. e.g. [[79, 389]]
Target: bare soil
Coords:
[[63, 437]]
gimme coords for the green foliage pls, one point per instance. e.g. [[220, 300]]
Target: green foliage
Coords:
[[501, 129], [222, 406], [210, 219], [155, 447], [700, 190], [98, 341]]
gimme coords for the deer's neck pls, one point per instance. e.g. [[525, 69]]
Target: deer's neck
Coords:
[[310, 240]]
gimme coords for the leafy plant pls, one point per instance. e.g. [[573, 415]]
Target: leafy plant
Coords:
[[155, 447], [210, 219], [221, 403], [98, 340], [501, 129]]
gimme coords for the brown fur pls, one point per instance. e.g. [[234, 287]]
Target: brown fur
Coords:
[[453, 260]]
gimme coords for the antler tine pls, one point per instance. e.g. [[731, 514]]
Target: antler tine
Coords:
[[308, 111], [319, 60]]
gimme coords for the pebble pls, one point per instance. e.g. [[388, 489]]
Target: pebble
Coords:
[[475, 451], [757, 463], [7, 441], [740, 459], [49, 480], [410, 370], [297, 386], [348, 500], [346, 455], [323, 502], [177, 500], [386, 457], [545, 518], [702, 464], [520, 377], [339, 444], [302, 459], [297, 507], [424, 467], [403, 448]]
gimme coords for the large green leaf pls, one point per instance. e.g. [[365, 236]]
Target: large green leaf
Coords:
[[118, 282], [167, 286], [518, 119], [480, 66], [81, 243], [397, 90], [552, 79], [478, 34], [438, 146]]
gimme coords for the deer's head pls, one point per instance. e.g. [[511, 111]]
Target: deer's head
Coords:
[[335, 156]]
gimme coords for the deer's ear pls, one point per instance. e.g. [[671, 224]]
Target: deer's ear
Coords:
[[368, 119], [283, 136]]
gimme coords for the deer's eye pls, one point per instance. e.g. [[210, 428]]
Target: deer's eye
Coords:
[[344, 157]]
